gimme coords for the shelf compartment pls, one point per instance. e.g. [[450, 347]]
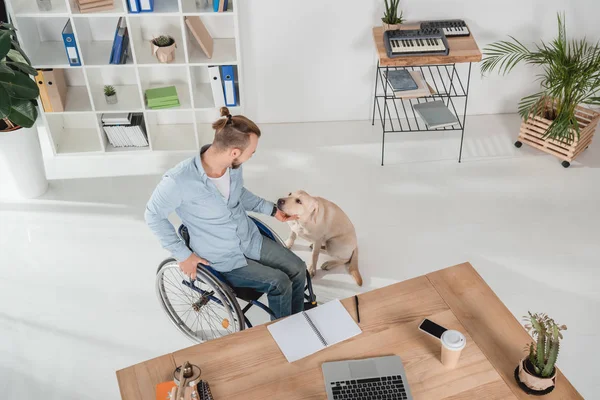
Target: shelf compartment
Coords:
[[204, 8], [201, 88], [157, 76], [109, 148], [77, 98], [171, 130], [41, 39], [144, 28], [74, 133], [116, 10], [96, 36], [125, 82], [30, 8]]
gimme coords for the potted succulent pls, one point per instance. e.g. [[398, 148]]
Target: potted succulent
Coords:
[[110, 94], [536, 374], [554, 119], [391, 19], [163, 47], [20, 151]]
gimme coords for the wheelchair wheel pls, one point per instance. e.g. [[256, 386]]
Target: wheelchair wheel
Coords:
[[202, 310]]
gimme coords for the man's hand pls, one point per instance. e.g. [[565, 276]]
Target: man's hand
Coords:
[[188, 267], [281, 216]]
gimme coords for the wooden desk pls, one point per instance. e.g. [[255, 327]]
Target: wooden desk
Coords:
[[462, 50], [249, 365]]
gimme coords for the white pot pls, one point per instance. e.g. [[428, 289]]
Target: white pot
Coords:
[[22, 164]]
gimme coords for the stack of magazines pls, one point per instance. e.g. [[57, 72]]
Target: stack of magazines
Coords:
[[125, 130]]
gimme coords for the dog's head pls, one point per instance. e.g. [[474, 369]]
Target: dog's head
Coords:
[[298, 203]]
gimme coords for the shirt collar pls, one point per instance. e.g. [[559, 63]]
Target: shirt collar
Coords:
[[198, 163]]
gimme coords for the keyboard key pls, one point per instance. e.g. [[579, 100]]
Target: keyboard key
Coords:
[[368, 380]]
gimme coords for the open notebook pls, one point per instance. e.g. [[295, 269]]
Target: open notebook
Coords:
[[307, 332]]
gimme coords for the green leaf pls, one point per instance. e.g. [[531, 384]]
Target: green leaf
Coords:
[[5, 103], [17, 54], [8, 26], [19, 86], [14, 55], [26, 68], [4, 43], [23, 113], [4, 69]]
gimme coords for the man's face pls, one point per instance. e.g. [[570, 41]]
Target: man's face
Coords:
[[246, 154]]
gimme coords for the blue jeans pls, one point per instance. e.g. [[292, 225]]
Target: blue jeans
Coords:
[[279, 273]]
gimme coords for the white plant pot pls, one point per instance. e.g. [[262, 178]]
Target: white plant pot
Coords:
[[22, 164]]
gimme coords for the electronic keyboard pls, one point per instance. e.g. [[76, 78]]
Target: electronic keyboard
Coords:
[[415, 42], [451, 27]]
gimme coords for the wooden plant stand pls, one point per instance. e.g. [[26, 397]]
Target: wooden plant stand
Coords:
[[533, 130]]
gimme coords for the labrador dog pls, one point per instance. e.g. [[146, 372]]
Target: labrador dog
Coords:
[[326, 227]]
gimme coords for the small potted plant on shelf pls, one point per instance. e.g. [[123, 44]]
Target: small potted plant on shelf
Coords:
[[554, 119], [163, 47], [110, 94], [536, 374], [20, 151], [391, 19]]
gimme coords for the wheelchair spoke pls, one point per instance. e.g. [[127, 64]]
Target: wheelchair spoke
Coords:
[[203, 311]]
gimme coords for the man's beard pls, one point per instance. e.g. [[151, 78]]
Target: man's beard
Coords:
[[235, 164]]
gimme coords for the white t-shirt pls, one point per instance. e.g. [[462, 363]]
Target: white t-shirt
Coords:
[[223, 183]]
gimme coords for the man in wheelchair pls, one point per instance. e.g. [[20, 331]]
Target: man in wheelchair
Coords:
[[207, 192]]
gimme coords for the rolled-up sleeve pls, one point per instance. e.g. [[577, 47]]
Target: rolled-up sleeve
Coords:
[[165, 199]]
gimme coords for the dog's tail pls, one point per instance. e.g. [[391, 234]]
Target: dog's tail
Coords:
[[353, 269]]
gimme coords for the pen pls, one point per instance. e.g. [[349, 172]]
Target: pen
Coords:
[[356, 304]]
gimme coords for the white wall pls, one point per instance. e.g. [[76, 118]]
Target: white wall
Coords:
[[315, 60]]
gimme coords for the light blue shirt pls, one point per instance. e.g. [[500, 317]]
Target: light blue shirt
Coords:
[[221, 231]]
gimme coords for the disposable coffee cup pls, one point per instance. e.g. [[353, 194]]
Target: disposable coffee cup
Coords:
[[452, 344]]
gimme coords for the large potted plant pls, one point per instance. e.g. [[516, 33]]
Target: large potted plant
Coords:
[[391, 19], [20, 152], [554, 119], [536, 373]]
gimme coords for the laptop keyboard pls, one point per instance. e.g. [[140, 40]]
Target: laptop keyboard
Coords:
[[384, 388]]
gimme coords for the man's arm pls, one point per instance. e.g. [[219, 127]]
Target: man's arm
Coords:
[[165, 199], [252, 202]]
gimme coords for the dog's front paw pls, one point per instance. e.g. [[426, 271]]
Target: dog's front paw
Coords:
[[289, 243], [311, 270]]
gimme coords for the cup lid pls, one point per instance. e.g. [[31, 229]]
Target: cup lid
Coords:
[[454, 340]]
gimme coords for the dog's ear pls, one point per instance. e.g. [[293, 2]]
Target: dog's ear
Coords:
[[313, 209]]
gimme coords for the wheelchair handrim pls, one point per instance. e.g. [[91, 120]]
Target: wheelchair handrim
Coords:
[[229, 303]]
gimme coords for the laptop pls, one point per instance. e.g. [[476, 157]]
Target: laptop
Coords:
[[368, 379]]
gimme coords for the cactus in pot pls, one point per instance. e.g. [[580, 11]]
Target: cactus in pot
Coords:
[[538, 370]]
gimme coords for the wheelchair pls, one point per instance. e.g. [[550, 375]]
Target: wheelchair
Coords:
[[208, 307]]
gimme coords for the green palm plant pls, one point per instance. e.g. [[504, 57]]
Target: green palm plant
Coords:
[[17, 90], [390, 15], [570, 77]]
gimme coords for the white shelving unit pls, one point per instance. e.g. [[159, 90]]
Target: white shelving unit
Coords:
[[78, 129]]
